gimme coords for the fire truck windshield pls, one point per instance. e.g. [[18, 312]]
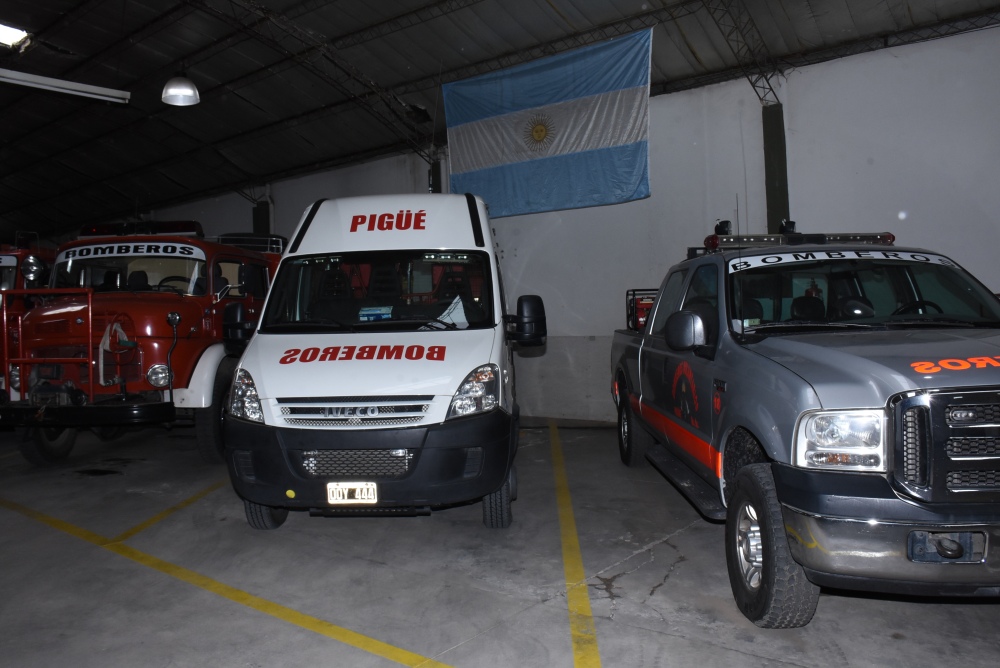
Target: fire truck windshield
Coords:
[[131, 273]]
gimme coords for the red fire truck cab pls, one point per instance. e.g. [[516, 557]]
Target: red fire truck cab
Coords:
[[130, 331]]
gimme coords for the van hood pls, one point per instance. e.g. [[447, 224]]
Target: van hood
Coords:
[[366, 364], [863, 369]]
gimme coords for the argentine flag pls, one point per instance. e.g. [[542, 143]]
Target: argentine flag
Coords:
[[563, 132]]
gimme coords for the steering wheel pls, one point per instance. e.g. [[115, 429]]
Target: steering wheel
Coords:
[[171, 279], [915, 306]]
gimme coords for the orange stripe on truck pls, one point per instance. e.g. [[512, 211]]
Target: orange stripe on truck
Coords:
[[681, 436]]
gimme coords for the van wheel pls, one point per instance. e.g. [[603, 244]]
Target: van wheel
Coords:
[[631, 443], [208, 421], [264, 517], [770, 588], [48, 445], [496, 506]]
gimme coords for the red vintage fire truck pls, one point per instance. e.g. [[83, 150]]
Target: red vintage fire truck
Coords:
[[22, 266], [140, 325]]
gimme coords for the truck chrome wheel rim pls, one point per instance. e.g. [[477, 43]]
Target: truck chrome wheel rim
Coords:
[[749, 549], [623, 429]]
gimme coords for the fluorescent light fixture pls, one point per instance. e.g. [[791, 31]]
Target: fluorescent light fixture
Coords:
[[11, 36], [61, 86], [180, 92]]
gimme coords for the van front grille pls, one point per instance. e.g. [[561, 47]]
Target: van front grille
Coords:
[[355, 412]]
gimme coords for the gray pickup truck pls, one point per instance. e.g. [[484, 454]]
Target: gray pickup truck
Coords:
[[836, 400]]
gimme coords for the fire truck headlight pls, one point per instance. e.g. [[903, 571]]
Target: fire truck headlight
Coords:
[[478, 393], [851, 440], [243, 400], [15, 377], [159, 375]]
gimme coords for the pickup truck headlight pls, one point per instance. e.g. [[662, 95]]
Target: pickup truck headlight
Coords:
[[243, 400], [852, 440], [478, 393]]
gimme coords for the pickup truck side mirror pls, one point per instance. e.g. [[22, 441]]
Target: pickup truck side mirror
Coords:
[[236, 331], [527, 328], [685, 330]]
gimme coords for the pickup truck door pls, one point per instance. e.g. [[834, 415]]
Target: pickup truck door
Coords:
[[677, 385]]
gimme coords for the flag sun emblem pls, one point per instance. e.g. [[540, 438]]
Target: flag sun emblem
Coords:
[[539, 133]]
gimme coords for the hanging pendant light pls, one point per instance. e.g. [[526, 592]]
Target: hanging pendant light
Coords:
[[181, 92]]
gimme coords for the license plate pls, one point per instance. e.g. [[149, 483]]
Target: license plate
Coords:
[[351, 493]]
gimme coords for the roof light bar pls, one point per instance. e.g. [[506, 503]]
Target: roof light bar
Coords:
[[184, 228], [715, 242]]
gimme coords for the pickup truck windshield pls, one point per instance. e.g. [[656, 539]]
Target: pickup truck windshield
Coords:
[[860, 291], [385, 290]]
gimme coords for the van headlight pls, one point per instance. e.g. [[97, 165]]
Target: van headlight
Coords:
[[478, 393], [243, 400], [852, 440]]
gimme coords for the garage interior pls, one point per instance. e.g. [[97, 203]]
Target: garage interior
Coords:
[[135, 552]]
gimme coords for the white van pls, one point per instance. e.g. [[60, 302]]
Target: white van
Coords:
[[380, 378]]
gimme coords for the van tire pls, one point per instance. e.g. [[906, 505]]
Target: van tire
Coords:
[[770, 588], [496, 506], [48, 445], [264, 517], [208, 421]]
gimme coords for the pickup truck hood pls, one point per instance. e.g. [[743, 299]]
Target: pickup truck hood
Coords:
[[366, 364], [861, 369]]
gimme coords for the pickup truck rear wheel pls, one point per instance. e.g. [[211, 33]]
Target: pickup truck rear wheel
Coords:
[[264, 517], [496, 506], [770, 588], [632, 441], [48, 445]]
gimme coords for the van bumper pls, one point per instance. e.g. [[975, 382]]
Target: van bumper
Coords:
[[414, 468], [852, 531]]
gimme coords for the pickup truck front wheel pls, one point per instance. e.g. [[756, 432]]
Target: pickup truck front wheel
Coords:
[[770, 588], [631, 439]]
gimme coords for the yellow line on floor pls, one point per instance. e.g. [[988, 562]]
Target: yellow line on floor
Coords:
[[581, 620], [159, 517], [285, 614]]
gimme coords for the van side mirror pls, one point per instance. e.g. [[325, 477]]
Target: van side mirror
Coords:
[[236, 331], [527, 328], [685, 330]]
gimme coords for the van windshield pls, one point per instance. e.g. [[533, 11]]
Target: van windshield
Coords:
[[927, 292], [383, 291]]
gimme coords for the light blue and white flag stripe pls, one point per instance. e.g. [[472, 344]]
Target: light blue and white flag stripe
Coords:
[[563, 132]]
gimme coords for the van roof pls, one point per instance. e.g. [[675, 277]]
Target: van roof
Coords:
[[389, 222]]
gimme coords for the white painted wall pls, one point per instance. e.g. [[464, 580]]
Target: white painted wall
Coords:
[[911, 129]]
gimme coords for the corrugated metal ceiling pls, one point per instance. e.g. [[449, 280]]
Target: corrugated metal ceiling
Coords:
[[294, 86]]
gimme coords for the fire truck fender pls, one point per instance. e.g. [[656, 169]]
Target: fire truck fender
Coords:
[[198, 394]]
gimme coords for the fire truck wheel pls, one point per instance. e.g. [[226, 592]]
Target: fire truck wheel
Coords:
[[48, 445], [632, 440], [208, 421], [770, 588], [496, 506], [264, 517]]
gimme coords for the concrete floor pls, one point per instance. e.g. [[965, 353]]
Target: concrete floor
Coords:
[[135, 553]]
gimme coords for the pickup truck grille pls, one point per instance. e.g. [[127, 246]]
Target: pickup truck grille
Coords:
[[354, 412], [948, 446]]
